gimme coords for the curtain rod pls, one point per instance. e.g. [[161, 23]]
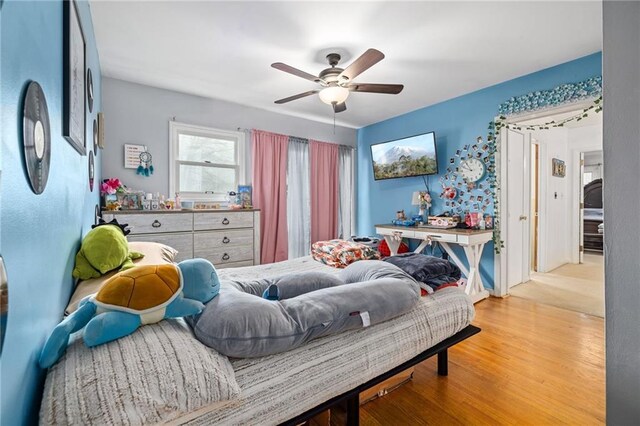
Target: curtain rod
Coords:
[[242, 129]]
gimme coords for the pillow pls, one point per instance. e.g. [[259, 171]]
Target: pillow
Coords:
[[366, 270], [153, 375], [154, 254], [433, 271], [341, 253], [240, 324]]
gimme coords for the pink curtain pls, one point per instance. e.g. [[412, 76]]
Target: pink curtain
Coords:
[[324, 190], [269, 152]]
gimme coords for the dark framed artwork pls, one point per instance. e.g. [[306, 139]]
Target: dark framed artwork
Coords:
[[558, 168], [74, 104]]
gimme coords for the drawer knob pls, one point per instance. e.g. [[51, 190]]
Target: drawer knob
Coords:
[[225, 257], [156, 224], [225, 221], [226, 240]]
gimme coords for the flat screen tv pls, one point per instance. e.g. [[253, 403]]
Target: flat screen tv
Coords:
[[412, 156]]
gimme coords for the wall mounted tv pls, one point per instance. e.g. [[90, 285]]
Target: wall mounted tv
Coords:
[[412, 156]]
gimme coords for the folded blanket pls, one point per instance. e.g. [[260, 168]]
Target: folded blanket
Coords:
[[341, 253], [430, 270]]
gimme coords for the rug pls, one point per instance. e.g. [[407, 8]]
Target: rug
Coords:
[[574, 287]]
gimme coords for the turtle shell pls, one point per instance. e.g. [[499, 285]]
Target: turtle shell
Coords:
[[141, 288]]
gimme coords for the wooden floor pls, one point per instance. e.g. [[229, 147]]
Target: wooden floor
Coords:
[[532, 364]]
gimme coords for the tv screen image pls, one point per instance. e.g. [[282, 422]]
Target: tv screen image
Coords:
[[412, 156]]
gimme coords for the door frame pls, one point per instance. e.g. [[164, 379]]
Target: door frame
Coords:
[[500, 259]]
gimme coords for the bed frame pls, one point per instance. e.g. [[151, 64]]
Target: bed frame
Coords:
[[352, 397]]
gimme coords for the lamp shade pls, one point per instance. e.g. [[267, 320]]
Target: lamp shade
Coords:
[[415, 199], [334, 94]]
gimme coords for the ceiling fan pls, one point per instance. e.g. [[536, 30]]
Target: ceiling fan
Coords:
[[337, 83]]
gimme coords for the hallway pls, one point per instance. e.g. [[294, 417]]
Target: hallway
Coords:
[[575, 287]]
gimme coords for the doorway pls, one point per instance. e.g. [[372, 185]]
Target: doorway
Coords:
[[534, 214], [547, 214]]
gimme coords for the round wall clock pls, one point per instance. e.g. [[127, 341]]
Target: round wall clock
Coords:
[[95, 136], [36, 137], [91, 170], [472, 169], [90, 89]]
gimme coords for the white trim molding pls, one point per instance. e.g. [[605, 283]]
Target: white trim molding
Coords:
[[240, 166]]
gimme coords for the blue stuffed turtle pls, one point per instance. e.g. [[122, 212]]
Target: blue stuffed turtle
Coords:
[[138, 296]]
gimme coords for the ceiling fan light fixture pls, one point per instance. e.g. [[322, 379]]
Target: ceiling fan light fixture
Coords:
[[334, 95]]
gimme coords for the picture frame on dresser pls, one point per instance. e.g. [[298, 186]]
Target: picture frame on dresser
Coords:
[[130, 201], [74, 105]]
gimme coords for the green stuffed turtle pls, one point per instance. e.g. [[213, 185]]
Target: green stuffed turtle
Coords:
[[142, 295], [104, 249]]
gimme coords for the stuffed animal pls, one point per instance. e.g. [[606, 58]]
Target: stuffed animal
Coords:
[[138, 296], [104, 249]]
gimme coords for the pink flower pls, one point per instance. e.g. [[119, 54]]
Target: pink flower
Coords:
[[110, 186]]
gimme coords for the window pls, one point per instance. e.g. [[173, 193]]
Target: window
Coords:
[[587, 177], [205, 163]]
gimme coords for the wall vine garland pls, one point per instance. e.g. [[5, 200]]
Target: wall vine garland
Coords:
[[531, 102]]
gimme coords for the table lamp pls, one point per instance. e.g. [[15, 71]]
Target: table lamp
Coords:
[[422, 199]]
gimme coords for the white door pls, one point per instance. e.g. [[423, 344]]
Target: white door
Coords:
[[517, 246], [581, 211]]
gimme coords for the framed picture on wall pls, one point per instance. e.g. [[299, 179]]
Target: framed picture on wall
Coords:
[[558, 168], [74, 102]]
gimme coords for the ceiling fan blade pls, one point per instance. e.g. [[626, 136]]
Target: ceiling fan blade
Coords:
[[339, 107], [295, 71], [391, 89], [363, 63], [298, 96]]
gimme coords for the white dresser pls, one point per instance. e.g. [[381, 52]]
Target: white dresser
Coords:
[[227, 238]]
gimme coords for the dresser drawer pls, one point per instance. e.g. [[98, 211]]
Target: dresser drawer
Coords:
[[235, 264], [222, 220], [225, 238], [222, 255], [183, 242], [408, 233], [152, 223], [436, 236]]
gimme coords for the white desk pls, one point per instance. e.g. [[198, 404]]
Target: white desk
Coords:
[[472, 241]]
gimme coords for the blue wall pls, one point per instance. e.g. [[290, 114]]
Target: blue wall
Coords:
[[456, 122], [40, 234]]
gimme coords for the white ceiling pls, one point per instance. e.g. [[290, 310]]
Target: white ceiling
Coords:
[[438, 50]]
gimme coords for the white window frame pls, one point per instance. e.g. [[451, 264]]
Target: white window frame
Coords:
[[177, 128]]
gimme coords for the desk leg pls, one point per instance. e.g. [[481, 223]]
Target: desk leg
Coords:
[[393, 244], [475, 287], [474, 253], [422, 246]]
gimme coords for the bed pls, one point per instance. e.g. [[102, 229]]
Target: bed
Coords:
[[593, 216], [285, 388]]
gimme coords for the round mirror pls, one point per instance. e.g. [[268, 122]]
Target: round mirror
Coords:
[[4, 302]]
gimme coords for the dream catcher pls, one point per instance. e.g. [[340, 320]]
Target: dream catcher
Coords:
[[146, 164]]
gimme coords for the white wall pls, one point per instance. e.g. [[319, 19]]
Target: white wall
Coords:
[[138, 114], [621, 73], [554, 200]]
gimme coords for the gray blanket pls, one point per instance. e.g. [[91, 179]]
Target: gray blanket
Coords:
[[433, 271]]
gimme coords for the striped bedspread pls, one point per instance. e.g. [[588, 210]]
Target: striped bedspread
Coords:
[[279, 387], [175, 374]]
